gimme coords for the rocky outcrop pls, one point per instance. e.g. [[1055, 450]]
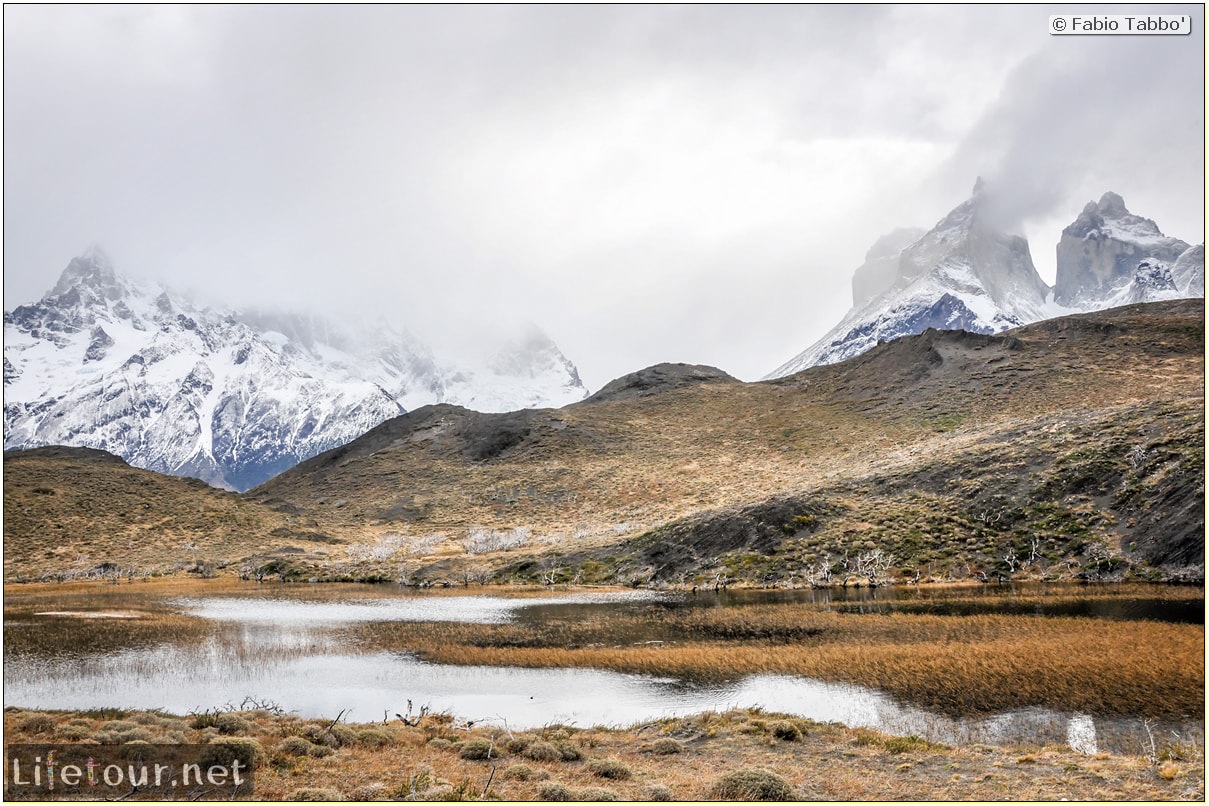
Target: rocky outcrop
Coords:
[[1188, 272], [659, 378]]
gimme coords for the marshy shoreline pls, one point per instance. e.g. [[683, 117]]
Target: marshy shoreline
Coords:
[[1107, 651]]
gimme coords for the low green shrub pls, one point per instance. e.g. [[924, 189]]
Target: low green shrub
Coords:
[[477, 749]]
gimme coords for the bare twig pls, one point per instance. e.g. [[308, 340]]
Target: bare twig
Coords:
[[332, 724], [489, 777]]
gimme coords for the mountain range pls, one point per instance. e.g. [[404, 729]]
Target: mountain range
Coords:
[[968, 273], [233, 397]]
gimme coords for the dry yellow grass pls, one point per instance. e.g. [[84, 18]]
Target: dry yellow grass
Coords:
[[69, 514], [955, 664]]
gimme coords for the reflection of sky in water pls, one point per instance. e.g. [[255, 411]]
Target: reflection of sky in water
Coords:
[[290, 653], [465, 609], [373, 685]]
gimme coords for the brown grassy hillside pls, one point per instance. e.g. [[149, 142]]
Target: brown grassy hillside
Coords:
[[949, 451], [79, 512]]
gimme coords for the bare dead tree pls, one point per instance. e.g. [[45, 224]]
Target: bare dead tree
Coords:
[[721, 580], [819, 575], [408, 720], [991, 517], [1010, 559], [874, 565], [1034, 550], [975, 573]]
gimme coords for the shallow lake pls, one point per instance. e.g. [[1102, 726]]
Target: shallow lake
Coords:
[[289, 645]]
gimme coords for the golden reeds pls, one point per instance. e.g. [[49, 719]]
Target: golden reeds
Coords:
[[955, 664]]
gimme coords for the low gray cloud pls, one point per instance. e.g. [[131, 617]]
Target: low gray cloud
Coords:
[[648, 183], [1088, 114]]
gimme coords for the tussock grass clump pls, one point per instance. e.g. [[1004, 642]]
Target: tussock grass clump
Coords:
[[609, 768], [120, 725], [786, 730], [147, 718], [371, 791], [35, 724], [540, 751], [298, 746], [666, 746], [477, 749], [320, 751], [904, 744], [438, 743], [330, 736], [230, 724], [315, 795], [371, 737], [73, 733], [228, 749], [519, 772], [568, 751], [596, 794], [753, 784], [343, 734], [865, 737], [121, 731], [204, 719], [517, 744], [554, 791], [657, 792]]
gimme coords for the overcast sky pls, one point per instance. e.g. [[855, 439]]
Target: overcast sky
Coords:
[[645, 183]]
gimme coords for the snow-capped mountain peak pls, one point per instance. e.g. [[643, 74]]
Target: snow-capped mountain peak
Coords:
[[227, 396], [1099, 252], [967, 273]]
